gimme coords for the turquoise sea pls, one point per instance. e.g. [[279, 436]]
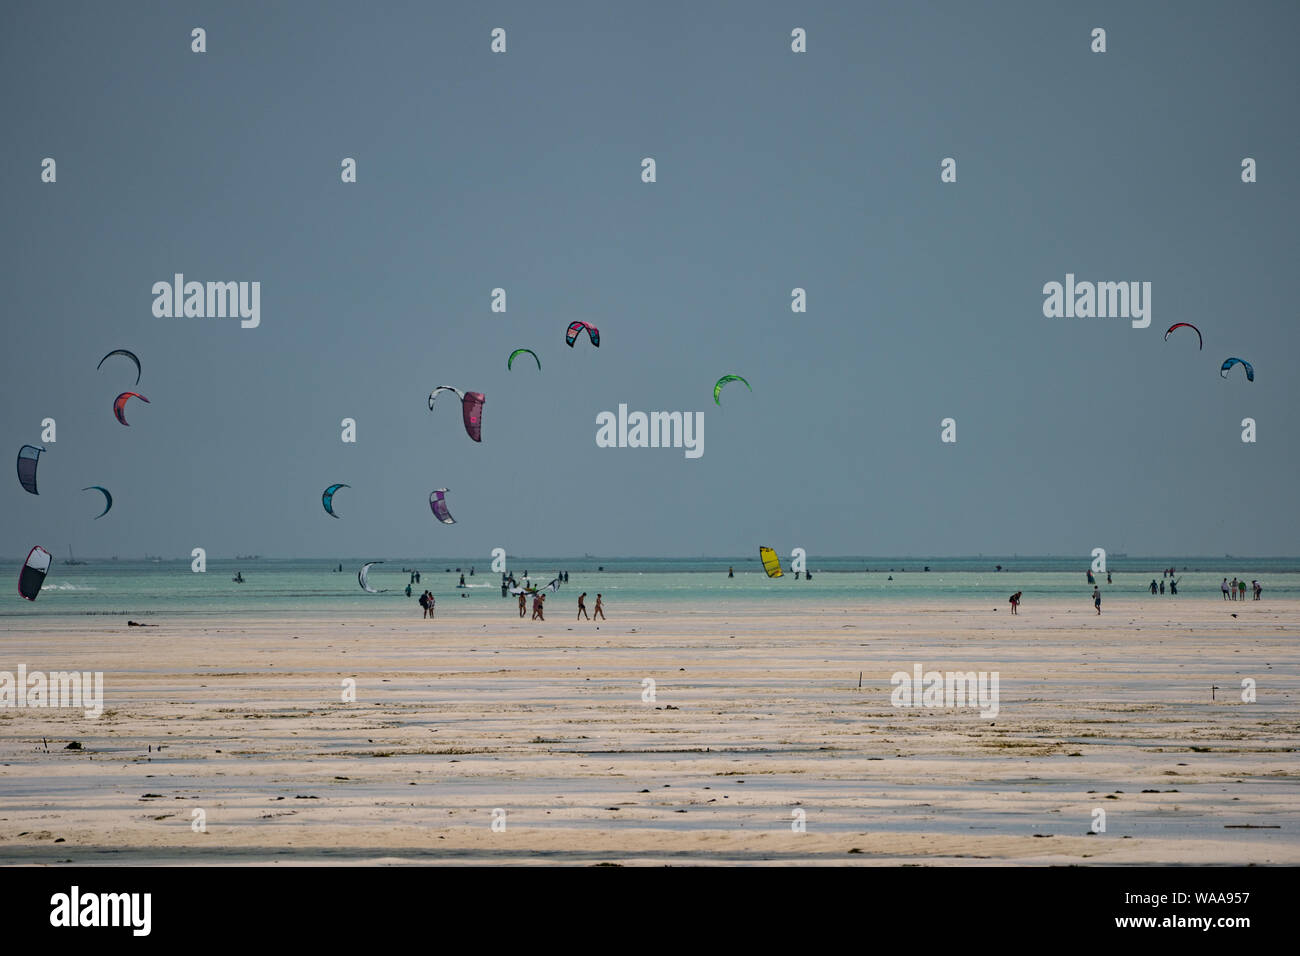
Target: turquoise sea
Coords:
[[309, 586]]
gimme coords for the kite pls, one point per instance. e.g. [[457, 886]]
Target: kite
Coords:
[[771, 563], [575, 328], [438, 505], [119, 405], [33, 573], [1229, 363], [108, 499], [552, 587], [130, 355], [1185, 325], [718, 386], [327, 498], [363, 577], [511, 361], [27, 456], [471, 409]]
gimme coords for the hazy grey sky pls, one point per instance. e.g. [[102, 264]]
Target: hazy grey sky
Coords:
[[775, 170]]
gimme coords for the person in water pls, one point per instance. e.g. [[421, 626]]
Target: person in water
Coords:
[[731, 572], [1015, 601], [408, 590], [1162, 585], [1153, 585], [462, 580], [582, 606], [599, 611], [1173, 586], [1108, 581], [1096, 598]]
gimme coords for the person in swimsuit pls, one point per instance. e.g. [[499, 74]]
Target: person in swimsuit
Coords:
[[1015, 601], [1096, 598], [599, 610], [582, 606]]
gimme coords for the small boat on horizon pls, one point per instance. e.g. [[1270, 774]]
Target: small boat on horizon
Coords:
[[72, 561]]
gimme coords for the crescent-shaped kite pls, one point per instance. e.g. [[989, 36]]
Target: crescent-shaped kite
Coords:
[[130, 355], [27, 457], [119, 405], [438, 505], [718, 386], [575, 329], [511, 361], [471, 409], [327, 498], [1229, 363], [363, 577], [1185, 325], [771, 563], [108, 499]]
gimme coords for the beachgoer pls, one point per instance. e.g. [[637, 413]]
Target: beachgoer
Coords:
[[1015, 601], [1091, 579], [1173, 586], [431, 602], [1153, 585], [462, 580], [807, 575], [424, 603], [1108, 581], [1259, 589], [582, 606], [1162, 585], [1232, 588], [417, 577], [1224, 588], [522, 603], [541, 607], [599, 610], [1096, 598], [731, 572], [408, 590], [1241, 589]]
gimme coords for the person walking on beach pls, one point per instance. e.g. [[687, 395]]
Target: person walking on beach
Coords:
[[1015, 601], [599, 611], [582, 606], [1224, 588], [1096, 598], [541, 607], [522, 603]]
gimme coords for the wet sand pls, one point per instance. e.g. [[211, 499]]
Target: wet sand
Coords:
[[756, 716]]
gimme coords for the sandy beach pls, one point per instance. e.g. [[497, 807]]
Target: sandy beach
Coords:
[[756, 716]]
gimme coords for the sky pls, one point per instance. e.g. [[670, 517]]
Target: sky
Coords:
[[775, 170]]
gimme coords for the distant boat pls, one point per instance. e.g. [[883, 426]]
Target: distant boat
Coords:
[[72, 561], [247, 557]]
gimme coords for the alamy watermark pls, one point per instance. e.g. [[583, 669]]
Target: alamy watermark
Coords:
[[38, 690], [655, 430], [945, 690]]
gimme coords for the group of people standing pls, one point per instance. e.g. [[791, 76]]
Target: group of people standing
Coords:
[[1236, 590]]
